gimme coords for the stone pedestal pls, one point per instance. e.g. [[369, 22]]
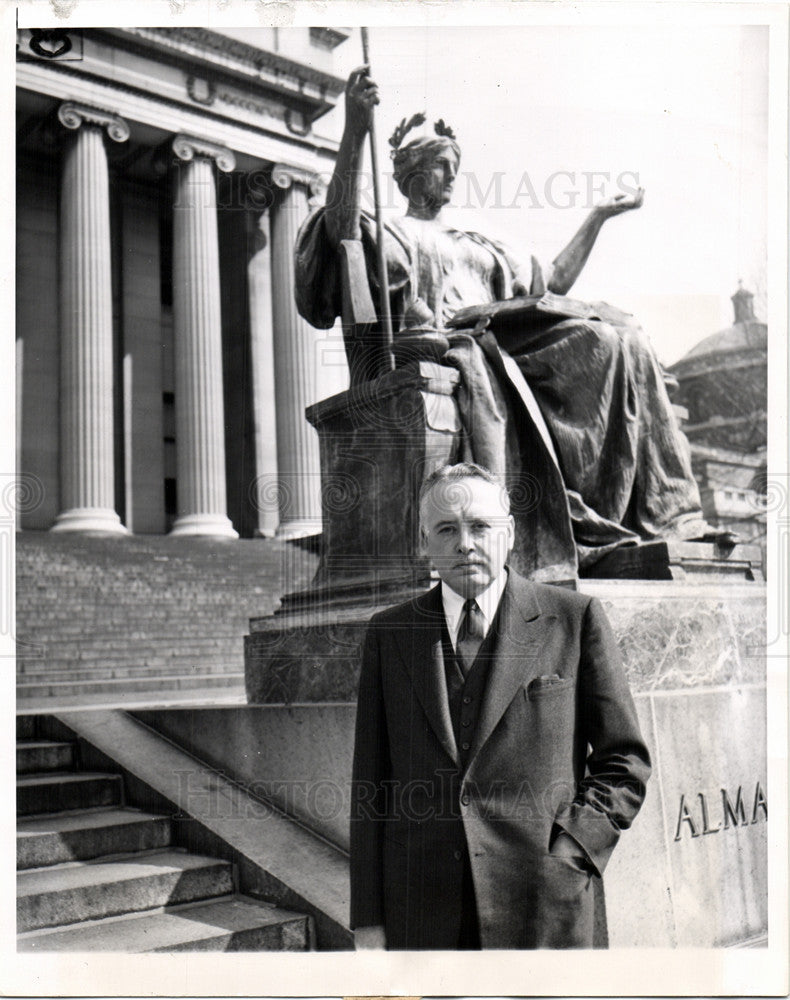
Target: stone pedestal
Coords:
[[378, 442], [673, 560], [692, 872]]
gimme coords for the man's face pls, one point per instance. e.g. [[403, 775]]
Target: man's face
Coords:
[[467, 533], [432, 185]]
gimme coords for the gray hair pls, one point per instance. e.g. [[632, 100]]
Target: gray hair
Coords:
[[451, 476]]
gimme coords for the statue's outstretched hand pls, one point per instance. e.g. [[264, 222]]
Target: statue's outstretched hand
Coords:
[[362, 95], [620, 203]]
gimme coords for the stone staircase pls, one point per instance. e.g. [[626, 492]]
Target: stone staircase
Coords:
[[95, 874], [142, 614]]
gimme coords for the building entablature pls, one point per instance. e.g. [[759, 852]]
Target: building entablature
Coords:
[[750, 423], [167, 99], [301, 87], [153, 120], [728, 456]]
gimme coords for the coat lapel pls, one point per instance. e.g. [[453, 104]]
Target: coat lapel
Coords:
[[521, 630], [421, 651]]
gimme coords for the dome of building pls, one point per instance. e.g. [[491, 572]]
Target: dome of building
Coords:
[[739, 337], [722, 383], [746, 333]]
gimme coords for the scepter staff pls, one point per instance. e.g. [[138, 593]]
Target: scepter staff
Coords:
[[384, 296]]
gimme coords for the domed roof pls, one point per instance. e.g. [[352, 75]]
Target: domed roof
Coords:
[[746, 334], [739, 337]]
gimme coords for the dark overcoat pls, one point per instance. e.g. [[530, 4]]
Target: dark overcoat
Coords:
[[557, 747]]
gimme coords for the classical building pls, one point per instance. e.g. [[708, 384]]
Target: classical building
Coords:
[[722, 382], [162, 368]]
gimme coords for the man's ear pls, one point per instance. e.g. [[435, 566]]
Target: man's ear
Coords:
[[423, 541]]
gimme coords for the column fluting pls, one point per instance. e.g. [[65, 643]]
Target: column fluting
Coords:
[[200, 425], [298, 462], [87, 480]]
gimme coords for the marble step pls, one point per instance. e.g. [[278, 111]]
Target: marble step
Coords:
[[177, 682], [166, 660], [60, 672], [236, 923], [145, 632], [53, 792], [87, 834], [121, 611], [79, 891], [26, 727], [43, 755]]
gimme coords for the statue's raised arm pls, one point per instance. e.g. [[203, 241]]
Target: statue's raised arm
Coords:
[[568, 264], [342, 200]]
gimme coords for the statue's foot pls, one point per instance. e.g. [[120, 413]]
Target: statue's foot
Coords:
[[696, 529], [723, 539]]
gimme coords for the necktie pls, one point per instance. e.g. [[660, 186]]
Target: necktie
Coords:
[[471, 633]]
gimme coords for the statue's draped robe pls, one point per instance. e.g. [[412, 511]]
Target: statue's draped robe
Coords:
[[603, 418]]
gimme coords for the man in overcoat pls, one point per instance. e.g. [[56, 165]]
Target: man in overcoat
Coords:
[[498, 754]]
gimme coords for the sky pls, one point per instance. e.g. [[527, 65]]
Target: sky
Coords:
[[559, 116]]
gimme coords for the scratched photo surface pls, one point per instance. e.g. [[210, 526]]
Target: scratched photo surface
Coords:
[[219, 449]]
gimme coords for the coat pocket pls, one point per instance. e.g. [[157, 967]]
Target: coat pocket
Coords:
[[539, 692], [563, 897]]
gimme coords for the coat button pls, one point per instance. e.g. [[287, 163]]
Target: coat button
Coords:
[[457, 855], [464, 800], [464, 722], [464, 746], [467, 700]]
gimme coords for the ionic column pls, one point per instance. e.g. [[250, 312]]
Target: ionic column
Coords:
[[264, 405], [86, 348], [298, 463], [200, 425]]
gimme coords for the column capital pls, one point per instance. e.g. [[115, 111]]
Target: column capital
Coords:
[[187, 147], [284, 176], [73, 116]]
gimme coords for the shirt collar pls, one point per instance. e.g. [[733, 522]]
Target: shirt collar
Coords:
[[488, 602]]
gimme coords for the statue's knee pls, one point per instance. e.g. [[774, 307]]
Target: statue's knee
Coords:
[[638, 342], [630, 337], [607, 336]]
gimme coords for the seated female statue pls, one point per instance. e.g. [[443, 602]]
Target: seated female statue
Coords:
[[576, 397]]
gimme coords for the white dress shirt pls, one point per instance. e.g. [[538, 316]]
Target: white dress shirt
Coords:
[[488, 602]]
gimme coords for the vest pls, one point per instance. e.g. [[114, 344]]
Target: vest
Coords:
[[465, 695]]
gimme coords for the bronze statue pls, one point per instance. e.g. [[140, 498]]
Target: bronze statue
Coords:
[[564, 400]]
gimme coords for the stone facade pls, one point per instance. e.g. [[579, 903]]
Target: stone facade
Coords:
[[162, 174]]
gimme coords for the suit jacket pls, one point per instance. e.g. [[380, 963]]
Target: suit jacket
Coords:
[[557, 747]]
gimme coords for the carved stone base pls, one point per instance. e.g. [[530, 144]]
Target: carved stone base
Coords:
[[378, 441], [667, 560], [311, 653]]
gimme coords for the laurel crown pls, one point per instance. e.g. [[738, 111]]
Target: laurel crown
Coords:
[[405, 127]]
